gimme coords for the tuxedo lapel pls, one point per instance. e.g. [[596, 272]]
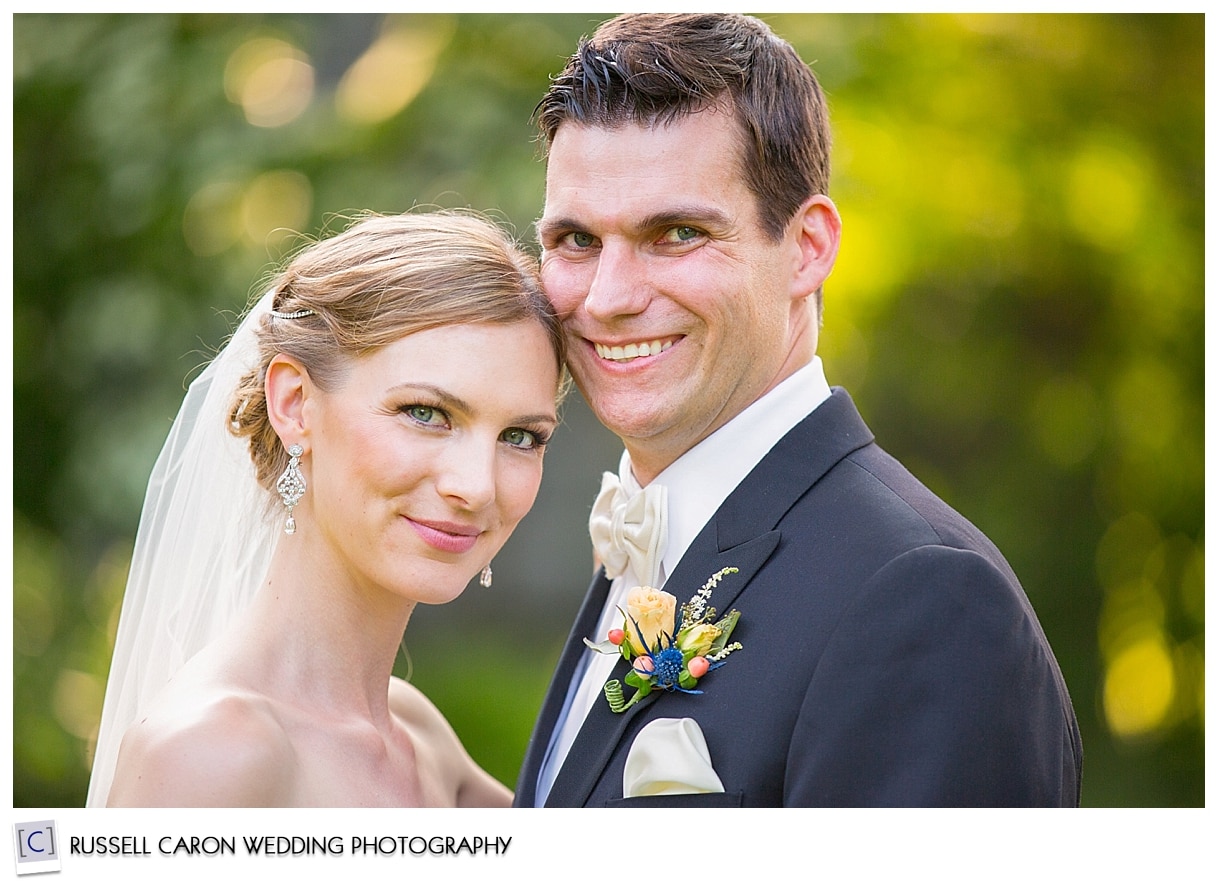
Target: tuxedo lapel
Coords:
[[556, 695], [800, 458], [741, 534], [747, 519], [602, 730], [593, 747]]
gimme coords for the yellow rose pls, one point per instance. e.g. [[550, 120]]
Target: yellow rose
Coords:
[[654, 611], [698, 639]]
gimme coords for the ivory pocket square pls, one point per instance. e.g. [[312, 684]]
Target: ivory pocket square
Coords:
[[669, 756]]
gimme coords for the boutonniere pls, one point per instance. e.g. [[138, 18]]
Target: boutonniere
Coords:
[[663, 654]]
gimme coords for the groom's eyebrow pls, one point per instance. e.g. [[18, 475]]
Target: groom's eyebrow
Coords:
[[554, 226], [693, 214]]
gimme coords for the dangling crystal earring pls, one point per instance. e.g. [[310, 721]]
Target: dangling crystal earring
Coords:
[[485, 579], [291, 486]]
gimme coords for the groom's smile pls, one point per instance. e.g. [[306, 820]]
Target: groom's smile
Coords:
[[632, 351]]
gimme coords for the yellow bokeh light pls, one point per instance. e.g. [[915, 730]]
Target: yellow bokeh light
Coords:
[[1106, 195], [1139, 687], [77, 702], [868, 151], [276, 205], [1129, 612], [981, 196], [271, 80], [210, 224], [868, 266], [388, 76]]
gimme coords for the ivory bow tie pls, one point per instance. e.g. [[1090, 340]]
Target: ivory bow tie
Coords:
[[630, 530]]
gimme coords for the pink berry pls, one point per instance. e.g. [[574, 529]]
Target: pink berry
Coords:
[[698, 666], [644, 665], [616, 636]]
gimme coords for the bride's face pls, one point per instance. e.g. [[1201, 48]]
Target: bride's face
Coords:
[[428, 455]]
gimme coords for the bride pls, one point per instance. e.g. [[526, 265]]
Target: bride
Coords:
[[366, 442]]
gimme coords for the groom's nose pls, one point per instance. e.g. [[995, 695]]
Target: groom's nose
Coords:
[[619, 285]]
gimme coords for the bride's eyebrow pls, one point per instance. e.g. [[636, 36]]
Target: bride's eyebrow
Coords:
[[533, 420], [438, 396]]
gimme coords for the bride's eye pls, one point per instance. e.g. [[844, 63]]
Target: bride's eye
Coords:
[[523, 438], [425, 414]]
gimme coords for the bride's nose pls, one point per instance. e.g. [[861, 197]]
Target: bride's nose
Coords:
[[466, 473]]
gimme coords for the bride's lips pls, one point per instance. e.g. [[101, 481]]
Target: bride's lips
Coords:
[[446, 536]]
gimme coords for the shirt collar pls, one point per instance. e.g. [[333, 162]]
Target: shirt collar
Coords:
[[707, 473]]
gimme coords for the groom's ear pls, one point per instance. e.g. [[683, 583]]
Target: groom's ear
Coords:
[[817, 232], [287, 389]]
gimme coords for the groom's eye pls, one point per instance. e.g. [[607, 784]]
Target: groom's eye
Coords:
[[680, 235]]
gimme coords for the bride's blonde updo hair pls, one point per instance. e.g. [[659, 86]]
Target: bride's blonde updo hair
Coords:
[[383, 278]]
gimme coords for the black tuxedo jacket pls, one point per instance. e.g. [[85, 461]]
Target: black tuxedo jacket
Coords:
[[890, 656]]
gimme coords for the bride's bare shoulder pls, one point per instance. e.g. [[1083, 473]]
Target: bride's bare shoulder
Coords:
[[224, 748], [470, 784], [412, 707]]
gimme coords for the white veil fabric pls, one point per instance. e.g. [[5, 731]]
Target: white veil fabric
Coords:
[[205, 539]]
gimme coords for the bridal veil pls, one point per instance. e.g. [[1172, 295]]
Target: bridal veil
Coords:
[[205, 539]]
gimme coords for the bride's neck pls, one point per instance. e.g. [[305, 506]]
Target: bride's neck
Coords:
[[324, 638]]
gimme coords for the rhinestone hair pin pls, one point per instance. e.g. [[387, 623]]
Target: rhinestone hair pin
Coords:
[[300, 313]]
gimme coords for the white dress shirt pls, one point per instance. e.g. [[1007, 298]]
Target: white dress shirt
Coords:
[[697, 483]]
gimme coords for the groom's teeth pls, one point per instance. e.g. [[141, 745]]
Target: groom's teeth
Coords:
[[632, 350]]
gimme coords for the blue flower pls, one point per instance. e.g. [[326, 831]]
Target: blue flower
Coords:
[[664, 668], [676, 661]]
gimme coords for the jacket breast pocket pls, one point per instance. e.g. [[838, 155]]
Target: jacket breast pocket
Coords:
[[681, 800]]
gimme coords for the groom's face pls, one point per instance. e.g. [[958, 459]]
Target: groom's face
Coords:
[[677, 306]]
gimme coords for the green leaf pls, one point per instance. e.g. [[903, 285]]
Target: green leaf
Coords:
[[604, 647], [726, 625]]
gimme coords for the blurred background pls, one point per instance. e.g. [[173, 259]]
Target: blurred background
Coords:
[[1017, 311]]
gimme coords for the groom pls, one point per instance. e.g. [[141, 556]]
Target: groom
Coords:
[[889, 656]]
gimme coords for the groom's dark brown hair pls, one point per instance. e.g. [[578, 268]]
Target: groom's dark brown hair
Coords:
[[652, 68]]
